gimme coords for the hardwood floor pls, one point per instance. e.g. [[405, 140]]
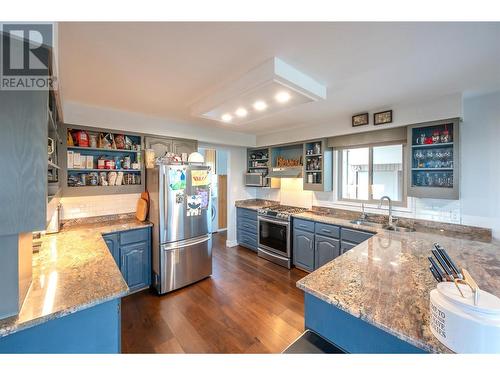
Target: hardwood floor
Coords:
[[249, 305]]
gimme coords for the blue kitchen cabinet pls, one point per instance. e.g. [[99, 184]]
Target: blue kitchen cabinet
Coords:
[[303, 250], [93, 330], [131, 251], [326, 249], [317, 243], [113, 244], [135, 265], [247, 228]]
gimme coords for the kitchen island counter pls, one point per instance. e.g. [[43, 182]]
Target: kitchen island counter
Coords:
[[73, 271], [385, 281]]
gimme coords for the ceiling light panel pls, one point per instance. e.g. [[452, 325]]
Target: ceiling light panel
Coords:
[[270, 88]]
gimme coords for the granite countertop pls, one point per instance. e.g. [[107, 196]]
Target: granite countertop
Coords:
[[386, 282], [254, 204], [74, 270]]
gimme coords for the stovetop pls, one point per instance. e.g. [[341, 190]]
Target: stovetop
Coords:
[[280, 211]]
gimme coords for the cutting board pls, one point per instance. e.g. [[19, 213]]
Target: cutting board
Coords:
[[141, 212]]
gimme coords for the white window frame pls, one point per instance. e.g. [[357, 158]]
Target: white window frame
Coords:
[[400, 203]]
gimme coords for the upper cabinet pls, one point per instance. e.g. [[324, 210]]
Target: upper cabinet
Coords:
[[24, 154], [100, 161], [433, 170], [287, 161], [311, 161], [318, 166], [258, 166], [159, 145], [181, 146], [163, 145]]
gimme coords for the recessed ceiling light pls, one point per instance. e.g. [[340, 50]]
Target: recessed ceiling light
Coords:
[[226, 117], [260, 105], [282, 97], [241, 112], [271, 87]]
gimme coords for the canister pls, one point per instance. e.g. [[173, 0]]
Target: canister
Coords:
[[461, 325]]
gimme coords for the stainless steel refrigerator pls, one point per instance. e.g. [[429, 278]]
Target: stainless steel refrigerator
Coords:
[[180, 210]]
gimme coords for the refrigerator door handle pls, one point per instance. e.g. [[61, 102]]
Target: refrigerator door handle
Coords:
[[185, 243]]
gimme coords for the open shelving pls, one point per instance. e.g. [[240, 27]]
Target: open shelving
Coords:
[[79, 181], [259, 161], [318, 159]]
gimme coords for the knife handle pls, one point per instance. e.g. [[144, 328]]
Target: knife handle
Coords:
[[436, 268], [448, 261], [435, 274], [443, 263]]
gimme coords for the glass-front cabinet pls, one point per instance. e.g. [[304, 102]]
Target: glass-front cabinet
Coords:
[[433, 170]]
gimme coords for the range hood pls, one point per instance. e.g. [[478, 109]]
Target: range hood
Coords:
[[285, 172]]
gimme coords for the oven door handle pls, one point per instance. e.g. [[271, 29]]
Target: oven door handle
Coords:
[[285, 223], [273, 254]]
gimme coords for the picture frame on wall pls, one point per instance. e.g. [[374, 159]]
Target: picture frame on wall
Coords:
[[361, 119], [381, 118]]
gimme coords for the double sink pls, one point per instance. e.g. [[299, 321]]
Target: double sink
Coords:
[[394, 228], [389, 226]]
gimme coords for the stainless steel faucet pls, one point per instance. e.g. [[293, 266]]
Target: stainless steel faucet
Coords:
[[363, 214], [391, 219]]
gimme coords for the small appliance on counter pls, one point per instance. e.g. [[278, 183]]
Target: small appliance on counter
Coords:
[[463, 318]]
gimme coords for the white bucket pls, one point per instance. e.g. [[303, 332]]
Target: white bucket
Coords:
[[460, 325]]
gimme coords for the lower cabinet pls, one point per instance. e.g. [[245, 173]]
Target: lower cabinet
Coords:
[[131, 251], [246, 222], [135, 265], [113, 243], [345, 246], [303, 250], [315, 244], [326, 249]]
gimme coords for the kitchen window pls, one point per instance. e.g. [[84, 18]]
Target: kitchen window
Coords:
[[368, 173]]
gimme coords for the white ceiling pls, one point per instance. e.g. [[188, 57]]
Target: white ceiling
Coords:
[[162, 69]]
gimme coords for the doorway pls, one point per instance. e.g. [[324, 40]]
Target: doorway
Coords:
[[217, 160]]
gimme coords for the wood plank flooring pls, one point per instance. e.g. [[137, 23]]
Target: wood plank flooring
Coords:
[[249, 305]]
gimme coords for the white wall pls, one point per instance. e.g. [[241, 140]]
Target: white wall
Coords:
[[403, 114], [82, 114], [480, 162]]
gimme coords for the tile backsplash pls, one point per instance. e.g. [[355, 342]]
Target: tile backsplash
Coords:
[[98, 205]]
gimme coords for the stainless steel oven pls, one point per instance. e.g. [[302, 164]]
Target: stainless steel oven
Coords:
[[274, 240]]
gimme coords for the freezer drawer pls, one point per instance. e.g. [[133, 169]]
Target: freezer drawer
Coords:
[[184, 262]]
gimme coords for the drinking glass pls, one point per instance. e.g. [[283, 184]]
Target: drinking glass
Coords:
[[430, 156], [429, 181]]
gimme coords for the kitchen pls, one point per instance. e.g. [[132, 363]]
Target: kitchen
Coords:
[[272, 202]]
